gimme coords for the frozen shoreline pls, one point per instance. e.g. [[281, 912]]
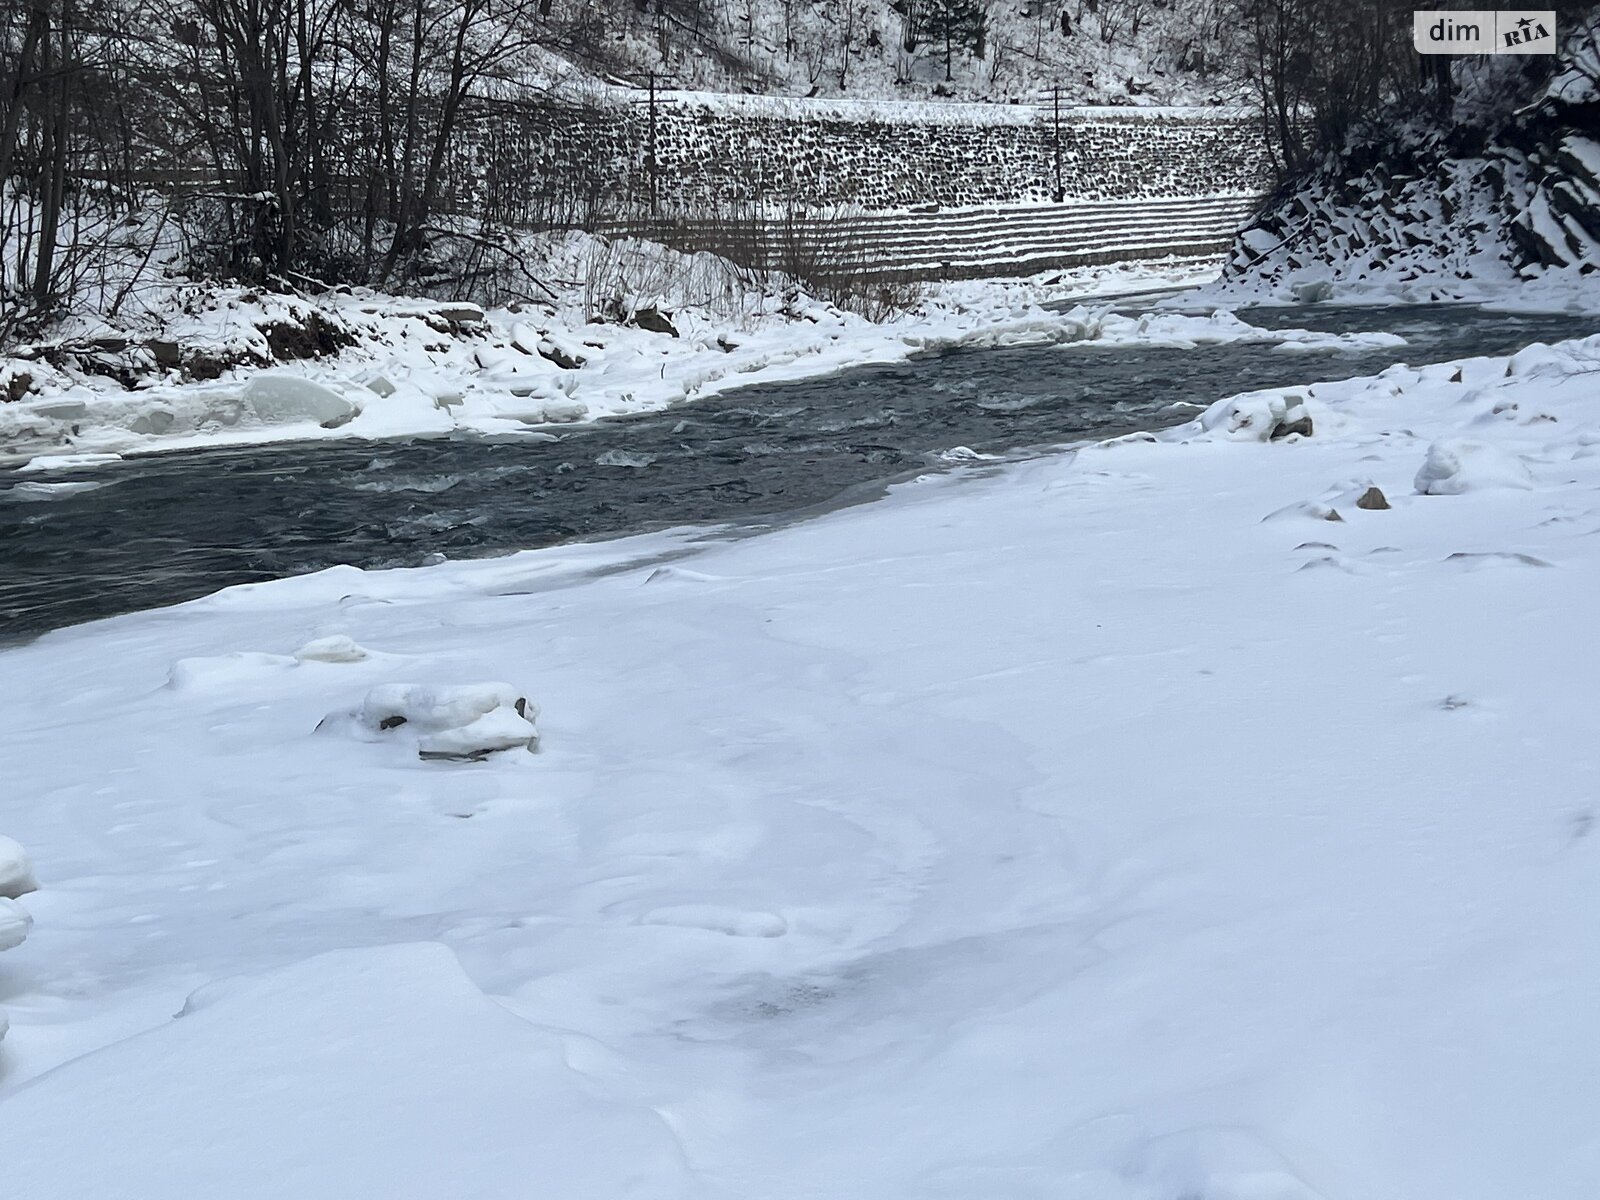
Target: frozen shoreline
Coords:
[[507, 375], [1141, 827]]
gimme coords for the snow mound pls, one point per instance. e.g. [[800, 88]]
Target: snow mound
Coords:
[[67, 462], [1218, 1164], [277, 399], [1457, 465], [1258, 416], [16, 872], [377, 1072], [337, 649], [460, 721], [222, 670], [14, 924]]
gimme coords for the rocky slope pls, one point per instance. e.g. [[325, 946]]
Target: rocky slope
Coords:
[[1505, 188]]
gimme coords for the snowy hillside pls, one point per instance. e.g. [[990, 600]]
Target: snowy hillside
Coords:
[[1096, 51]]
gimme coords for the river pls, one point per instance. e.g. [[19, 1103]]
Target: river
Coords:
[[162, 528]]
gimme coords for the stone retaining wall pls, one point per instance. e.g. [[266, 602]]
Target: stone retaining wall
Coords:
[[538, 162]]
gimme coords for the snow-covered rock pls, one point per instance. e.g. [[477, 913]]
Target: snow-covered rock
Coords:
[[1258, 416], [455, 721], [276, 398], [1457, 465]]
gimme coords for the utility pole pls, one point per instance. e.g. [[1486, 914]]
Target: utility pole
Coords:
[[655, 173], [650, 80], [1055, 97]]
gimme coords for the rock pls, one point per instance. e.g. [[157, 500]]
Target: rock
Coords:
[[277, 399], [652, 320], [1372, 500], [552, 352], [19, 385], [1295, 420], [1306, 509], [461, 314], [165, 352]]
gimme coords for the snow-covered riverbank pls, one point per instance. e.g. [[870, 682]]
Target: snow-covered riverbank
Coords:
[[414, 371], [1170, 819]]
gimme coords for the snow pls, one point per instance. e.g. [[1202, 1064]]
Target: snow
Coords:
[[14, 924], [1056, 828], [347, 1074]]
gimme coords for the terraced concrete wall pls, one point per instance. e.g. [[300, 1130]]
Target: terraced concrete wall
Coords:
[[719, 155]]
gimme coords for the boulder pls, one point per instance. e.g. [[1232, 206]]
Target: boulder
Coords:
[[461, 314], [653, 320]]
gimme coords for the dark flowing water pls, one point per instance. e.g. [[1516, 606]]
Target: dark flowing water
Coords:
[[163, 528]]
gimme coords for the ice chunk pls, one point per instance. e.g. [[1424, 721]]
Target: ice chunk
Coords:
[[337, 649], [1457, 465], [67, 462], [621, 458], [16, 872], [277, 398]]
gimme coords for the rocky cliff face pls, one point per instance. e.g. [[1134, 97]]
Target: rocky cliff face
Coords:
[[1506, 187]]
